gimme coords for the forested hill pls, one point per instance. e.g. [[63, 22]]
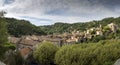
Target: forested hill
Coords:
[[23, 27], [65, 27]]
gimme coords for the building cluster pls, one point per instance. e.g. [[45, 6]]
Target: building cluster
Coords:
[[26, 44], [113, 27], [77, 36]]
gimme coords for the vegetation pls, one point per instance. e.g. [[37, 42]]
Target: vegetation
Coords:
[[4, 44], [65, 27], [3, 36], [3, 31], [45, 53], [22, 27], [13, 58], [5, 47], [104, 52], [101, 53]]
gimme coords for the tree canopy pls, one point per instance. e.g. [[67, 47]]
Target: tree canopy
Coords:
[[3, 31], [45, 53]]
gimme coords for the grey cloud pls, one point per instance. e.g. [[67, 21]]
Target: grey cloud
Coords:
[[66, 9], [70, 6]]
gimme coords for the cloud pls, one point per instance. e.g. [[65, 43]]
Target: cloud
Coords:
[[1, 3], [43, 12]]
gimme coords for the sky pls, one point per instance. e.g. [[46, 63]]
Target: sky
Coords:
[[47, 12]]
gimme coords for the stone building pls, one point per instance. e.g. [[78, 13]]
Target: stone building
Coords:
[[113, 27], [25, 52], [99, 32]]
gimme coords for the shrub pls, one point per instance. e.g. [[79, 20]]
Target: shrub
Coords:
[[101, 53], [45, 53], [13, 58], [6, 47]]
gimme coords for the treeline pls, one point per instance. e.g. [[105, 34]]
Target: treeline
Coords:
[[102, 53], [4, 44], [65, 27], [23, 27]]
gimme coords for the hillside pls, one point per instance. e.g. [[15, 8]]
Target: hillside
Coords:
[[19, 28], [97, 49], [65, 27], [23, 27]]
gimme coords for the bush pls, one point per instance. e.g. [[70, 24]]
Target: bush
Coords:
[[3, 32], [6, 47], [9, 46], [102, 53], [13, 58], [45, 53]]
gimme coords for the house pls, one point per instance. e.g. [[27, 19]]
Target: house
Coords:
[[27, 41], [25, 52], [13, 39], [99, 32], [72, 40], [113, 27], [75, 37]]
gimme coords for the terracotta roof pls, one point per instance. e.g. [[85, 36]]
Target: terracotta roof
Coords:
[[25, 51], [29, 42]]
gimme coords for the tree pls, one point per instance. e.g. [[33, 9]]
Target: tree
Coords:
[[18, 28], [13, 58], [105, 52], [3, 31], [2, 13], [45, 53]]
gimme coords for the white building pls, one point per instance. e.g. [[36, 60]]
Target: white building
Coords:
[[113, 27]]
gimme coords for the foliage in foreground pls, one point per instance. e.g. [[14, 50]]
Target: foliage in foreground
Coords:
[[45, 53], [4, 44], [13, 58], [3, 31], [4, 48], [101, 53]]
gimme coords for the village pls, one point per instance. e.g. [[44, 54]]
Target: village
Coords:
[[27, 44], [59, 32]]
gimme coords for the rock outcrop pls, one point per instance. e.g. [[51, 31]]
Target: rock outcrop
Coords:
[[1, 63], [117, 62]]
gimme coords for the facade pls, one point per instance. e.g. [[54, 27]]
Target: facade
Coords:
[[25, 52], [113, 27]]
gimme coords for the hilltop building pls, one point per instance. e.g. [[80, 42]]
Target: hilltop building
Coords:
[[113, 27]]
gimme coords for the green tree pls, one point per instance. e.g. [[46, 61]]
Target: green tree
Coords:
[[21, 27], [102, 53], [13, 58], [2, 13], [3, 31], [45, 53]]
